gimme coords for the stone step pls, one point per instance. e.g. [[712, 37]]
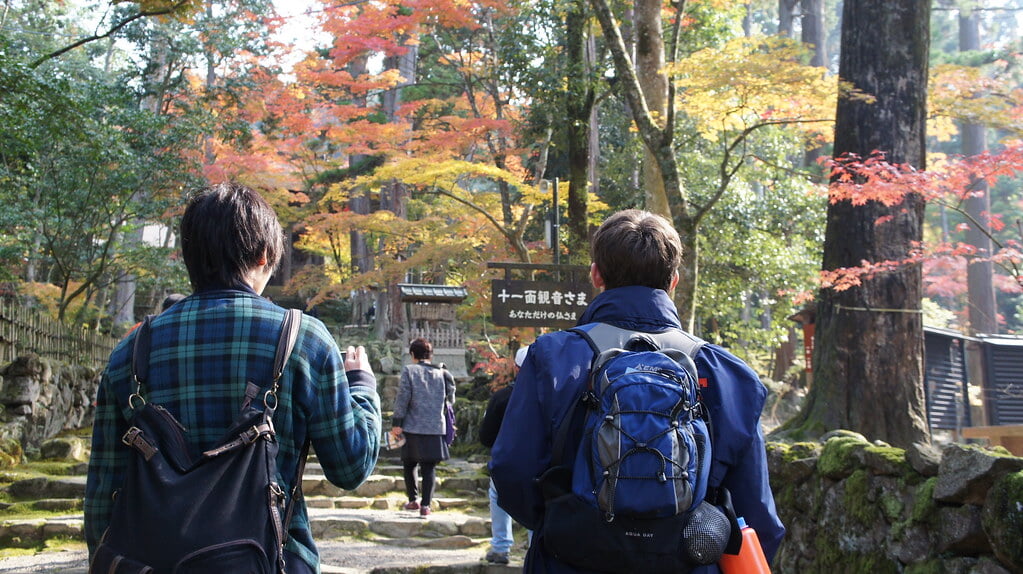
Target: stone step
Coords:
[[391, 502], [379, 484], [329, 518], [359, 532], [47, 487], [447, 529]]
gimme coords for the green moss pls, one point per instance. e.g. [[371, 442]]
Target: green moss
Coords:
[[786, 498], [26, 511], [1003, 517], [798, 428], [858, 498], [892, 506], [11, 453], [924, 506], [49, 467], [888, 459], [933, 566], [837, 460], [831, 558], [891, 454], [799, 451], [999, 450]]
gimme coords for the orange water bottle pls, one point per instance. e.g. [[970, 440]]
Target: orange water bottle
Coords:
[[751, 559]]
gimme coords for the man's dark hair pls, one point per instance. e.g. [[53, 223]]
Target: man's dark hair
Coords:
[[420, 348], [635, 247], [225, 231]]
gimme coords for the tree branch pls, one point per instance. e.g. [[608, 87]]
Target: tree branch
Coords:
[[142, 14]]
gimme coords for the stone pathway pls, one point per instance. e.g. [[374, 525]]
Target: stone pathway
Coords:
[[361, 531]]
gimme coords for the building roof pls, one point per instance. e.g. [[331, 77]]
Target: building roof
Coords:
[[411, 292]]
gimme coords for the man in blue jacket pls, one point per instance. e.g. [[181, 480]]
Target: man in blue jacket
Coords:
[[636, 256]]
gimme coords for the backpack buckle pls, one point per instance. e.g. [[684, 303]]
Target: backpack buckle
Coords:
[[134, 439], [249, 436], [276, 494]]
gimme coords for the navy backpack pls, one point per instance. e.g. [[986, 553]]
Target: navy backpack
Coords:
[[634, 496]]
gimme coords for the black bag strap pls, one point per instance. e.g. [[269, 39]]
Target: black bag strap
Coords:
[[140, 350], [296, 488], [286, 342]]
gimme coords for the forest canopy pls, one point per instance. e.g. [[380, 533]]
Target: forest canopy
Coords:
[[418, 140]]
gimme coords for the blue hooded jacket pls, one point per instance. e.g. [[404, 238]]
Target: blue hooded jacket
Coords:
[[553, 376]]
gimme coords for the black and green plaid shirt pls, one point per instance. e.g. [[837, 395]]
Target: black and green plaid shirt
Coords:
[[203, 351]]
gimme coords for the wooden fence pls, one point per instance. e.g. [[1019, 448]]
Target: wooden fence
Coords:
[[440, 338], [24, 330]]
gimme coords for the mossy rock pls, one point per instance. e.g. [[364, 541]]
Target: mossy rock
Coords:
[[1002, 519], [932, 566], [64, 449], [891, 505], [860, 499], [887, 460], [831, 557], [791, 463], [841, 456], [11, 453], [924, 506]]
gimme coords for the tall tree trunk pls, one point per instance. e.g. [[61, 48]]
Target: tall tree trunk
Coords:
[[657, 133], [394, 197], [360, 202], [122, 305], [32, 266], [815, 36], [579, 99], [629, 45], [980, 271], [786, 16], [868, 357], [653, 82], [814, 33]]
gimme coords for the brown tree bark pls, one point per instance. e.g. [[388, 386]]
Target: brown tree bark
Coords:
[[579, 100], [654, 84], [814, 33], [657, 133], [786, 16], [983, 312], [868, 356]]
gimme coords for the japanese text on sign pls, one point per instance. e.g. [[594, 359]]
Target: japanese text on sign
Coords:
[[519, 303]]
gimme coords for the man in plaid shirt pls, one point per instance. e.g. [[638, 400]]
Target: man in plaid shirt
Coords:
[[206, 347]]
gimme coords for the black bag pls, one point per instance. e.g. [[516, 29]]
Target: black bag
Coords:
[[222, 512], [450, 427]]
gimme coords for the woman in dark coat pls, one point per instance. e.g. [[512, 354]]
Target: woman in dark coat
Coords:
[[423, 391]]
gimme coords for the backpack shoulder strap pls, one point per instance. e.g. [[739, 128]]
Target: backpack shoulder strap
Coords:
[[140, 360], [604, 336], [286, 342], [140, 350], [285, 345]]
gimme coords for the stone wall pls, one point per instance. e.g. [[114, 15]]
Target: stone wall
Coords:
[[40, 398], [852, 506]]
